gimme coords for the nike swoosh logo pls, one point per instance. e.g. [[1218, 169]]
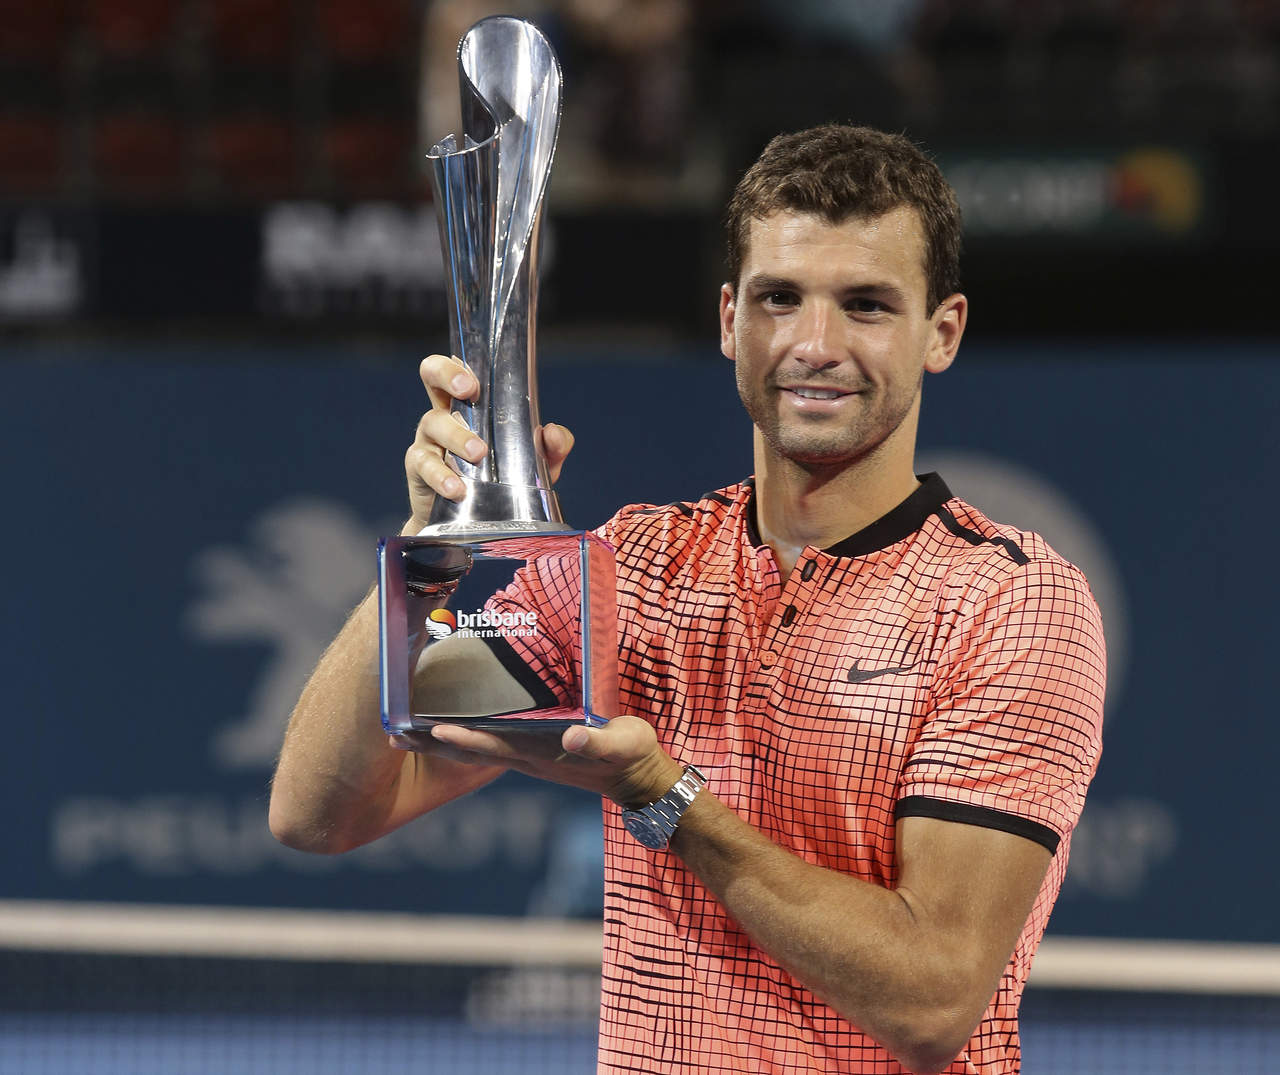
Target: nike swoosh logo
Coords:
[[861, 675]]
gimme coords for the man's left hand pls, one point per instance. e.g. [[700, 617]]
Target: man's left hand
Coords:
[[622, 760]]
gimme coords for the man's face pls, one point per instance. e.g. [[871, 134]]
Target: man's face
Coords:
[[829, 333]]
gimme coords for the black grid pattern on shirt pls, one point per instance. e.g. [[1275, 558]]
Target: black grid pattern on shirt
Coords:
[[960, 666]]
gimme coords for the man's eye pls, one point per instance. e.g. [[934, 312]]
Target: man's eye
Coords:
[[867, 306], [780, 298]]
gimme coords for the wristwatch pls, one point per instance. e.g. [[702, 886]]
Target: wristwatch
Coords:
[[654, 824]]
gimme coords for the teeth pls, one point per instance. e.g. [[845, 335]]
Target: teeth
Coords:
[[816, 393]]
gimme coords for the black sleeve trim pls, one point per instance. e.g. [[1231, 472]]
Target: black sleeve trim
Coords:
[[985, 817], [543, 696]]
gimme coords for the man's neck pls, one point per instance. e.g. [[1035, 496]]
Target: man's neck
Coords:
[[798, 506]]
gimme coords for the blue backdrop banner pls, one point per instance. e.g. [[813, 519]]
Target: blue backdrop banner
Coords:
[[188, 527]]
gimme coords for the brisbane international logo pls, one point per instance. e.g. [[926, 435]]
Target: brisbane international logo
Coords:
[[483, 623]]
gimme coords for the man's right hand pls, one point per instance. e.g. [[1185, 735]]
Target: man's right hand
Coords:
[[439, 432]]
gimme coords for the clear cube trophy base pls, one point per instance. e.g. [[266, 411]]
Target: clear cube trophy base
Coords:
[[418, 575]]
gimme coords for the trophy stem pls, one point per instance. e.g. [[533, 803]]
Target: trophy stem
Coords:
[[489, 198]]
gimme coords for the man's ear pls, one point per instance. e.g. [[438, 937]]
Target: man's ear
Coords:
[[948, 321], [728, 308]]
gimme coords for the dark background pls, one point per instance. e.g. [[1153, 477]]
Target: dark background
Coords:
[[1116, 159]]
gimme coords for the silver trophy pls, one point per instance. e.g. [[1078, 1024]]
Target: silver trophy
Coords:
[[489, 195]]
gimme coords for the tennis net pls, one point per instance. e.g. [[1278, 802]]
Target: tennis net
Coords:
[[134, 990]]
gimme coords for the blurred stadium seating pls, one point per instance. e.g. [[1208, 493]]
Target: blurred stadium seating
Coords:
[[203, 106], [1029, 69]]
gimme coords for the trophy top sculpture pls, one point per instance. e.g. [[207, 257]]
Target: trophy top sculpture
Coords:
[[489, 196], [489, 199]]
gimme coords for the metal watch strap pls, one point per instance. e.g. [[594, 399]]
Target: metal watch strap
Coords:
[[653, 825], [687, 787]]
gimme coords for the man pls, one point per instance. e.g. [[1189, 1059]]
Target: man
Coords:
[[890, 705]]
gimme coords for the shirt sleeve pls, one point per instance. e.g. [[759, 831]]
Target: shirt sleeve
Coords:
[[550, 654], [546, 651], [1013, 730]]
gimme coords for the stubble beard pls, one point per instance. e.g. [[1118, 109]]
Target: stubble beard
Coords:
[[815, 444]]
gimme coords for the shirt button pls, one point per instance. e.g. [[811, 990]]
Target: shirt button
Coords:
[[768, 658]]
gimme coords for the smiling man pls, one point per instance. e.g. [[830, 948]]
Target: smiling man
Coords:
[[831, 325], [860, 716]]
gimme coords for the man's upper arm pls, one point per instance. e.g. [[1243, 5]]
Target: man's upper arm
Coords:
[[973, 887], [998, 776], [1013, 732]]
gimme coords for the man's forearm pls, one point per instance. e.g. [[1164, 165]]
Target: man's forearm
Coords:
[[914, 967], [873, 954]]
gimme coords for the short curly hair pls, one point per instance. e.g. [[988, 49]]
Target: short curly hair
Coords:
[[839, 172]]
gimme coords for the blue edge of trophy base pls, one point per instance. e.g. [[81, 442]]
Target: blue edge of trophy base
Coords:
[[398, 720]]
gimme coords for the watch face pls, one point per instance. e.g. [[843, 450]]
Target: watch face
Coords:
[[648, 832]]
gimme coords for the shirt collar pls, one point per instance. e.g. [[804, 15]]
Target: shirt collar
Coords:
[[895, 525]]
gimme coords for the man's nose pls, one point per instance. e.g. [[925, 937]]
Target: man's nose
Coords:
[[819, 336]]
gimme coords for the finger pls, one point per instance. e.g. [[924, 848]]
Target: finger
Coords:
[[443, 431], [528, 753], [423, 742], [446, 379], [420, 742], [429, 474], [484, 745], [557, 443], [428, 468]]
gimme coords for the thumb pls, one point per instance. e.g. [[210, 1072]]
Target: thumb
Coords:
[[557, 443], [623, 739], [580, 740]]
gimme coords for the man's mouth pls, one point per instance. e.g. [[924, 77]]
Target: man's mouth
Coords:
[[816, 393]]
